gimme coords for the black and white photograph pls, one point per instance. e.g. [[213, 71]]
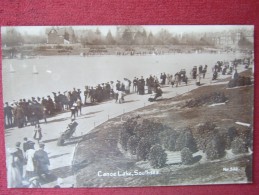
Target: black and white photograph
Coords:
[[128, 106]]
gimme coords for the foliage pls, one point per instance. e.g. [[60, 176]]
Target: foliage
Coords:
[[239, 146], [143, 149], [168, 139], [230, 136], [132, 144], [203, 134], [209, 140], [185, 139], [240, 81], [138, 135], [12, 37], [186, 156], [215, 148], [150, 130], [206, 99], [157, 156], [232, 133]]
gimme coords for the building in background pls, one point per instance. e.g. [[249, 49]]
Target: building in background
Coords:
[[64, 35]]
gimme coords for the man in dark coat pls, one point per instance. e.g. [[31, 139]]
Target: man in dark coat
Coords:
[[18, 159], [50, 106], [141, 86], [74, 95], [8, 113], [41, 161], [135, 83], [19, 116]]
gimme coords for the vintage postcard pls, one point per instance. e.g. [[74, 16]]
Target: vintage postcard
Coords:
[[126, 106]]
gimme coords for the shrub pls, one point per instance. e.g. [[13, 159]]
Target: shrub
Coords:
[[240, 81], [127, 132], [132, 144], [247, 135], [215, 148], [138, 135], [232, 83], [157, 156], [239, 146], [150, 130], [143, 149], [211, 98], [185, 139], [130, 125], [203, 134], [230, 136], [186, 156], [232, 133], [167, 138], [248, 81]]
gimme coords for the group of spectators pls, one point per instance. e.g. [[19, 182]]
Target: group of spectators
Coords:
[[23, 112], [28, 165]]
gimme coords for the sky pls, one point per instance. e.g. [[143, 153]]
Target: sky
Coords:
[[178, 29]]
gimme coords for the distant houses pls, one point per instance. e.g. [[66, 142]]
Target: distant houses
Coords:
[[61, 35]]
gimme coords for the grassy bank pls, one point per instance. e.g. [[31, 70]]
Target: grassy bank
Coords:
[[100, 160]]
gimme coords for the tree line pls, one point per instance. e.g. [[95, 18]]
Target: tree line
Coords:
[[124, 35]]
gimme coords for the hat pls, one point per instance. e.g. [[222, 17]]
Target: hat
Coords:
[[18, 144], [41, 145]]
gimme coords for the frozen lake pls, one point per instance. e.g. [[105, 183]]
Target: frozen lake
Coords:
[[63, 73]]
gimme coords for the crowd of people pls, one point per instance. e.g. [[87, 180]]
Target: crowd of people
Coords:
[[29, 112], [28, 165]]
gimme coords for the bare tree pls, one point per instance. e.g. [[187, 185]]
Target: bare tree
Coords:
[[12, 37]]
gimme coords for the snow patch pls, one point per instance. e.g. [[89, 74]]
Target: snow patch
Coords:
[[217, 104], [243, 124]]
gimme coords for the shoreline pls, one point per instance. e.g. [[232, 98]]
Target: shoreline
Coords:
[[54, 75]]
